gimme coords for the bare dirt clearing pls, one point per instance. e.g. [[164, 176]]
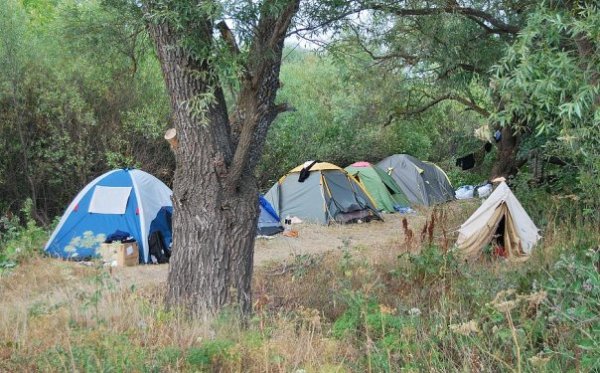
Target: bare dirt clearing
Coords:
[[43, 279], [312, 239], [367, 239]]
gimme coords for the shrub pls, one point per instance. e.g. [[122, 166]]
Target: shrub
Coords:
[[19, 244], [210, 354]]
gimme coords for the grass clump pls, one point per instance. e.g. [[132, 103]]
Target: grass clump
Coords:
[[209, 354]]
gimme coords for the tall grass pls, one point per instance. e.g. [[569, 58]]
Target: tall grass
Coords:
[[425, 310]]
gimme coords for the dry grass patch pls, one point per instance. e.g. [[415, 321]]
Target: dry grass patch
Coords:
[[351, 305]]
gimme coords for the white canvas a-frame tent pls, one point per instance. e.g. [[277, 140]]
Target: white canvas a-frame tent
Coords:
[[501, 215]]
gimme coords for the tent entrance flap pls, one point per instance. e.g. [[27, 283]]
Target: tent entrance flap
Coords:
[[348, 202]]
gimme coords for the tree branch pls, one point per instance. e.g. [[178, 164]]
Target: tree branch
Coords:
[[412, 60], [449, 96], [282, 108], [228, 37], [472, 105], [427, 106], [488, 30], [256, 107], [325, 23], [471, 13]]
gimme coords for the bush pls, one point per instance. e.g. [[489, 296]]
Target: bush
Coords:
[[430, 265], [210, 354], [19, 244]]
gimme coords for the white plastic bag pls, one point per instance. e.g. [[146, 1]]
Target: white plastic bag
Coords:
[[464, 192], [484, 191]]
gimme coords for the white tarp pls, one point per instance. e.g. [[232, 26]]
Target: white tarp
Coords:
[[109, 200]]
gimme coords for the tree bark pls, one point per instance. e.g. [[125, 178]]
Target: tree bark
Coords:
[[507, 163], [215, 196], [213, 225]]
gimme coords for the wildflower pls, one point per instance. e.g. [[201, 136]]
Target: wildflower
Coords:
[[414, 312], [503, 295], [534, 299], [465, 328], [505, 306], [501, 302], [592, 253]]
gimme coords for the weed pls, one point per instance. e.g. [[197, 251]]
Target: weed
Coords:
[[211, 353], [22, 246]]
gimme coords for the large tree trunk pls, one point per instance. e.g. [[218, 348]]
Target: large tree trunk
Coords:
[[213, 244], [215, 197], [213, 225], [507, 163]]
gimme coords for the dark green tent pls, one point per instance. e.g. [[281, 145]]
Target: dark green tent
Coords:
[[382, 188]]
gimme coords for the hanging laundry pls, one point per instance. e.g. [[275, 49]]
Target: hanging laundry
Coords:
[[476, 158], [467, 162], [483, 133], [497, 135], [305, 172]]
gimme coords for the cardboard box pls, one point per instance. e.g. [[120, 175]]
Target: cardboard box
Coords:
[[123, 254]]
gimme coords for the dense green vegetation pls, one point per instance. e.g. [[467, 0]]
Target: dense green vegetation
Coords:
[[348, 116], [81, 92]]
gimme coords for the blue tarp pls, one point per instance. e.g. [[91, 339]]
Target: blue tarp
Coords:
[[268, 221]]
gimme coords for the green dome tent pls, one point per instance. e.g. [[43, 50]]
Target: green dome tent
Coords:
[[384, 191]]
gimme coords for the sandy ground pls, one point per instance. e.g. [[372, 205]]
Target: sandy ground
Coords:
[[369, 238], [51, 278], [316, 239], [312, 239]]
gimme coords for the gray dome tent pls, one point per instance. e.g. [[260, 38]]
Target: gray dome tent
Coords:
[[325, 194], [424, 183]]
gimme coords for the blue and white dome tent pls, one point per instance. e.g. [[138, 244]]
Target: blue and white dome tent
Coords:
[[128, 200]]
